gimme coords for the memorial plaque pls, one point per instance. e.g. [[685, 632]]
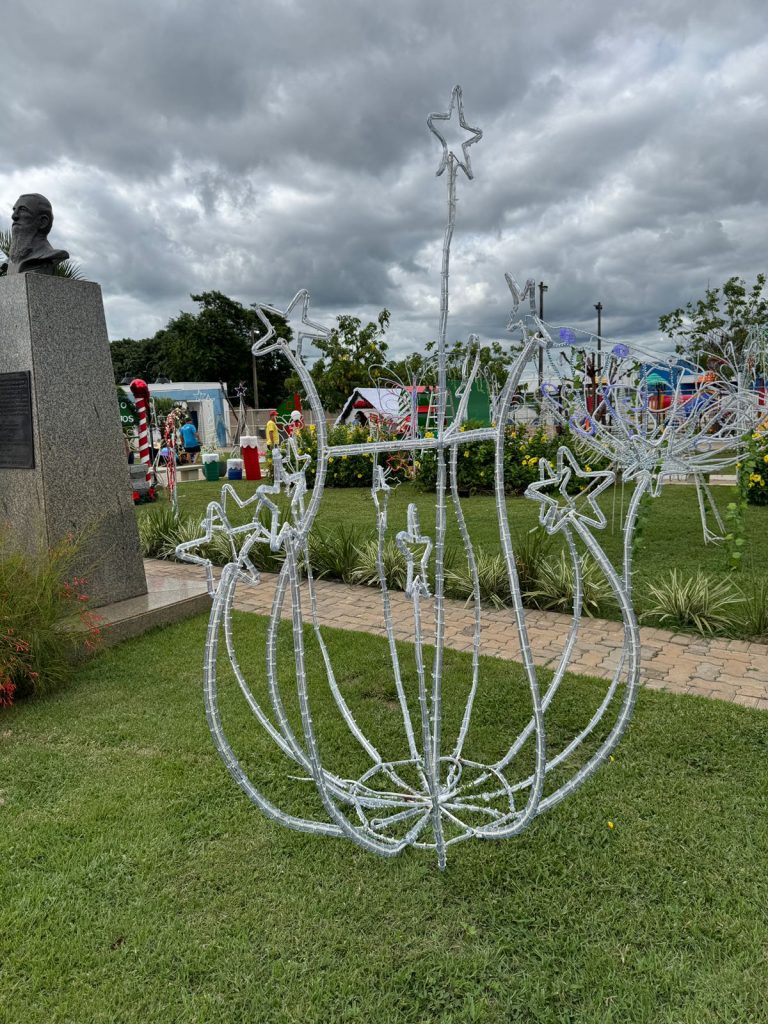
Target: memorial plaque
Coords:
[[17, 446]]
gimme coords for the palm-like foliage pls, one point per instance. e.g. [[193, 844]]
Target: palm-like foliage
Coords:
[[67, 268]]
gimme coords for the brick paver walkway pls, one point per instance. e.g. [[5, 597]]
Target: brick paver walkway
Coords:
[[731, 670]]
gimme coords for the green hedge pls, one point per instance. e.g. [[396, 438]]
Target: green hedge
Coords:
[[522, 452]]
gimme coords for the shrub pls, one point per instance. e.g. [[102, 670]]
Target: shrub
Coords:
[[753, 470], [752, 617], [335, 553], [522, 451], [491, 577], [555, 585], [395, 565], [698, 602], [40, 603], [350, 470]]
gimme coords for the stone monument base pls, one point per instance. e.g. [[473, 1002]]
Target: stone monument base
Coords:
[[63, 466]]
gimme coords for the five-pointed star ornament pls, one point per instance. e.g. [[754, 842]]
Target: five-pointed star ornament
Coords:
[[410, 541], [301, 326], [555, 514], [448, 154]]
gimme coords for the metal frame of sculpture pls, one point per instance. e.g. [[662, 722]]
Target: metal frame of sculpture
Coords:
[[434, 795]]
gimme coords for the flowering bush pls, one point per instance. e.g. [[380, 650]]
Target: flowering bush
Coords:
[[351, 470], [522, 452], [37, 596], [753, 470]]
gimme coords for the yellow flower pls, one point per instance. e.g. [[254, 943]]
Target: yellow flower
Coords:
[[587, 469], [429, 434], [462, 429], [343, 457], [359, 476], [466, 455], [738, 465], [765, 458], [330, 460], [611, 825]]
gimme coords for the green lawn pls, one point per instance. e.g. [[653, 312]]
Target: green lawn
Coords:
[[139, 884], [672, 537]]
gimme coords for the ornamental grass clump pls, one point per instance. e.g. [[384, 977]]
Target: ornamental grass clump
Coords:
[[366, 570], [697, 602], [751, 619], [335, 553], [556, 585], [492, 580], [45, 624]]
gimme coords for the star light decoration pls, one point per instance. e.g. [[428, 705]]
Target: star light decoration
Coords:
[[302, 328], [431, 792], [449, 156], [557, 512]]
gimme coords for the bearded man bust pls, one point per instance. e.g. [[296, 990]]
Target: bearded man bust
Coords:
[[30, 251]]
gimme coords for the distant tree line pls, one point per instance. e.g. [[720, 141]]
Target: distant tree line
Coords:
[[215, 342]]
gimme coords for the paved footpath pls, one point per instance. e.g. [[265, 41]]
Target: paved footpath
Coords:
[[732, 670]]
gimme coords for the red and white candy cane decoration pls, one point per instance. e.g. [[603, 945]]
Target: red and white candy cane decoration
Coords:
[[140, 392]]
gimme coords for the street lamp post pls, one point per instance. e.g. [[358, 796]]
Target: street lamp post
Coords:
[[542, 288], [599, 308]]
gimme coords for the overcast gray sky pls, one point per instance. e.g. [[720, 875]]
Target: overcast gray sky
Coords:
[[261, 147]]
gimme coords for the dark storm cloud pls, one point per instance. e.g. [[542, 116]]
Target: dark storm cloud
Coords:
[[259, 148]]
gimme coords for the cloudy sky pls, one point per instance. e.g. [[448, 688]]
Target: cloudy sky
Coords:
[[261, 146]]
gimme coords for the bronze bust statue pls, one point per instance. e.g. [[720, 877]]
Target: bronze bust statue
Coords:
[[31, 252]]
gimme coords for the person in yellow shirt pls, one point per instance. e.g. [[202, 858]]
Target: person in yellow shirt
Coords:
[[273, 434]]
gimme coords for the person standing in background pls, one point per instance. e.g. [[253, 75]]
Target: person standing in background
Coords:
[[191, 440], [272, 433]]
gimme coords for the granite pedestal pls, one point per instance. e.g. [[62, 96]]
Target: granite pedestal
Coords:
[[54, 328]]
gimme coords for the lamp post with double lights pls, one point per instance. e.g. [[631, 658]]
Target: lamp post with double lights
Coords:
[[599, 308], [542, 288]]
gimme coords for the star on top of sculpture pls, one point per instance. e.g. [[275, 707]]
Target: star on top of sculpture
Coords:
[[462, 161], [555, 514], [301, 328]]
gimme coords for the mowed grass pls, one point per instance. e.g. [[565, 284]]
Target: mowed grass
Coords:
[[672, 534], [140, 885]]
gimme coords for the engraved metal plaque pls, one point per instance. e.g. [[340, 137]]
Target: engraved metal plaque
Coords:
[[17, 446]]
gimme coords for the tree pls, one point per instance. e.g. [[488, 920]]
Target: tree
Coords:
[[347, 357], [145, 358], [723, 315], [67, 268], [495, 361], [215, 344]]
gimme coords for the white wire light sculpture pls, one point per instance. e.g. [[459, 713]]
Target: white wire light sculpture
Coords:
[[434, 794], [653, 417]]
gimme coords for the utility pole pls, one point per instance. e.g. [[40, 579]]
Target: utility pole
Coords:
[[599, 308], [542, 288], [255, 385]]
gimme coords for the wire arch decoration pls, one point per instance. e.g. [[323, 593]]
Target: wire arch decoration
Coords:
[[434, 794]]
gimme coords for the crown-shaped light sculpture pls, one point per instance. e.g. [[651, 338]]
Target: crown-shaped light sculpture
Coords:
[[435, 792]]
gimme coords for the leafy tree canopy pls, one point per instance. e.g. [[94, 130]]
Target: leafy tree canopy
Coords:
[[726, 314], [212, 344], [346, 357], [143, 358]]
